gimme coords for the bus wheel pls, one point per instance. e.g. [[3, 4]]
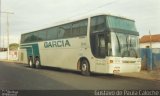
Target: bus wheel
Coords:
[[85, 70], [30, 62], [37, 63]]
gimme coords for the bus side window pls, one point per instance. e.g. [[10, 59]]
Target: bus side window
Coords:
[[52, 33], [101, 45], [98, 24], [28, 38], [83, 28], [68, 31], [65, 31], [79, 28], [23, 37], [42, 35], [75, 29]]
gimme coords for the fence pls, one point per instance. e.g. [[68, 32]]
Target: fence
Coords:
[[150, 58]]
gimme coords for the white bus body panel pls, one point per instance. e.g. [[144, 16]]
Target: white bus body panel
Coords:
[[63, 57], [23, 56], [119, 65]]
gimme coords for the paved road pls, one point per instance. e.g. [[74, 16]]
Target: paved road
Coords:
[[19, 76]]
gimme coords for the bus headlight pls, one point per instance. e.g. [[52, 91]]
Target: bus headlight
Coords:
[[116, 61]]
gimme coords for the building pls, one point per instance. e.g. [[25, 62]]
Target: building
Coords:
[[150, 41], [3, 49], [150, 51]]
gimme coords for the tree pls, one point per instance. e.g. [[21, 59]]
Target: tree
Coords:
[[13, 46]]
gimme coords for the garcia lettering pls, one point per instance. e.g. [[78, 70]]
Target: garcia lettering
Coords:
[[57, 43]]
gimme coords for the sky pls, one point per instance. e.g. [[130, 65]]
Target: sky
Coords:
[[31, 15]]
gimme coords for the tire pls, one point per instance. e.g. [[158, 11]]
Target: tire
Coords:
[[85, 69], [37, 63], [30, 62]]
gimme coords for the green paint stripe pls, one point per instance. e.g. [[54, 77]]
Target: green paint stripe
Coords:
[[32, 49]]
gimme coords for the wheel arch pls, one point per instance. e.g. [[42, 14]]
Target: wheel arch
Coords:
[[79, 62]]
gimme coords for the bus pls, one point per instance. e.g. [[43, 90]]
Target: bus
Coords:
[[100, 43]]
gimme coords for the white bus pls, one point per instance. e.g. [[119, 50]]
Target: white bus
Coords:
[[101, 43]]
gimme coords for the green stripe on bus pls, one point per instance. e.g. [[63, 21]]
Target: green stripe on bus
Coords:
[[32, 50]]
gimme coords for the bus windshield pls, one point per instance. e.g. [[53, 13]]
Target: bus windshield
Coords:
[[124, 45], [117, 23], [124, 37]]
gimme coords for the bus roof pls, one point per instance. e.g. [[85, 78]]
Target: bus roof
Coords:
[[76, 18]]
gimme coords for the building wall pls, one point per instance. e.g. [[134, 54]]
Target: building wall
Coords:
[[13, 55], [3, 55], [154, 45]]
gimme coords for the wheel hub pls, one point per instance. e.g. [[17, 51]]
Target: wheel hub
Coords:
[[84, 67], [37, 62], [30, 63]]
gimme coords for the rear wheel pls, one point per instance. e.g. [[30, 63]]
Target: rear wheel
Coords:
[[37, 63], [85, 69], [30, 62]]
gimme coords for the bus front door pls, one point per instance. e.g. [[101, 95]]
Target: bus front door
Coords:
[[99, 45]]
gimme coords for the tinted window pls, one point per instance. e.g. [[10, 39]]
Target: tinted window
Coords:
[[23, 37], [52, 33], [61, 31], [67, 30], [120, 23], [28, 37], [73, 29], [79, 28], [41, 35], [76, 29], [98, 23], [34, 37], [83, 28]]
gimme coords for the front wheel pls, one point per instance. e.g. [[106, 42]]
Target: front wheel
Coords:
[[37, 63], [85, 70]]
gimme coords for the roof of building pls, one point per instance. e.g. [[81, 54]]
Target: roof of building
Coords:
[[148, 38]]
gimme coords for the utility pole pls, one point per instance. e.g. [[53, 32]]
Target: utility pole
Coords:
[[0, 27], [150, 38], [151, 62], [7, 13]]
